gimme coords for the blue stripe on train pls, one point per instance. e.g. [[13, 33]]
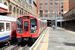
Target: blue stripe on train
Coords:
[[2, 38]]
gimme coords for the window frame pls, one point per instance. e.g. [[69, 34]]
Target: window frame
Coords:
[[27, 26], [4, 26], [36, 25], [13, 26], [19, 26], [10, 26]]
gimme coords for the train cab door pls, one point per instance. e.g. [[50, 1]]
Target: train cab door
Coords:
[[26, 26]]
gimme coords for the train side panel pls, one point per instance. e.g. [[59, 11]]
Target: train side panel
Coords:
[[5, 28], [29, 26]]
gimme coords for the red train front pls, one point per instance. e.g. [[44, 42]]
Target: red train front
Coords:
[[27, 28]]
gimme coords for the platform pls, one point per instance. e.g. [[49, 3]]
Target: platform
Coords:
[[59, 39]]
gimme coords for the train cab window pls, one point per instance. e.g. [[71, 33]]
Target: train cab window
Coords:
[[19, 25], [25, 17], [26, 26], [7, 26], [33, 25], [1, 27]]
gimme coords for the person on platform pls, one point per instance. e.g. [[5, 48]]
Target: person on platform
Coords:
[[50, 25], [53, 27]]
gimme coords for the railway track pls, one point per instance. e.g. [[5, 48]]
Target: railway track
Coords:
[[19, 47], [5, 46], [15, 46], [22, 46]]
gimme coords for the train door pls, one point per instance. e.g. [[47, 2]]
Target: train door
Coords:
[[13, 28], [5, 30], [8, 29], [2, 30], [26, 25]]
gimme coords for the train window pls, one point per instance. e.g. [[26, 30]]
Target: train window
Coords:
[[1, 27], [7, 26], [33, 25], [26, 26], [25, 17], [13, 26], [19, 25]]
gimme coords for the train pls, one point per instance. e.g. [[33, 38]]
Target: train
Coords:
[[29, 28], [7, 28]]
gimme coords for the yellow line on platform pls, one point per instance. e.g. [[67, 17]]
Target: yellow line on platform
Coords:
[[67, 30], [45, 41], [39, 40]]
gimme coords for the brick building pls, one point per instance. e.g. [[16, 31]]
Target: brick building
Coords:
[[47, 8], [70, 15], [19, 7]]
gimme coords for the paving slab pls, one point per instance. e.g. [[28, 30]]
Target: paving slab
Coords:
[[61, 40]]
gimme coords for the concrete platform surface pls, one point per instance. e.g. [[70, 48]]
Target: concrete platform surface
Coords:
[[61, 40]]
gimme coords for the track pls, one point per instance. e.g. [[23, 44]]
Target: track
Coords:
[[15, 46], [22, 46], [19, 47], [4, 46]]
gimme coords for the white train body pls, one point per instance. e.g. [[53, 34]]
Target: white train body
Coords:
[[5, 27]]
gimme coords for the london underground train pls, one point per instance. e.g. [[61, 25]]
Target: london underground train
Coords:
[[7, 28], [29, 28]]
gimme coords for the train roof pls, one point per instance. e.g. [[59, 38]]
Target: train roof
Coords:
[[42, 20], [3, 6], [28, 15], [33, 17], [7, 18]]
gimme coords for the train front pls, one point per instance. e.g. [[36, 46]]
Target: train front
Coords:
[[27, 28]]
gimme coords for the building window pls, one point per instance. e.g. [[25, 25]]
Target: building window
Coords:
[[51, 0], [41, 7], [51, 10], [56, 0], [46, 0], [41, 13], [51, 3], [61, 6], [46, 15], [41, 3], [62, 10], [61, 0], [51, 15], [56, 3], [46, 10], [41, 0], [46, 3], [46, 7], [51, 7], [56, 7]]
